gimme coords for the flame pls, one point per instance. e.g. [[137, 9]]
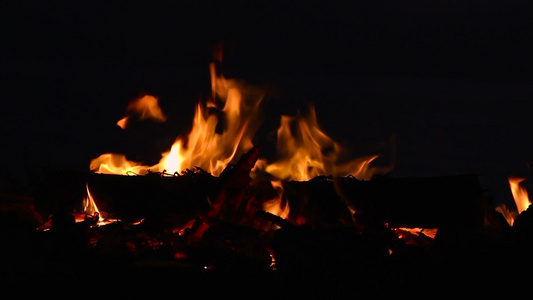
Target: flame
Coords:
[[520, 195], [277, 206], [90, 208], [521, 199], [172, 160], [306, 152], [147, 107], [112, 163], [90, 205], [204, 146], [208, 149], [223, 128]]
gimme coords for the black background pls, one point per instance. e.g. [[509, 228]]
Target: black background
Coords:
[[439, 87]]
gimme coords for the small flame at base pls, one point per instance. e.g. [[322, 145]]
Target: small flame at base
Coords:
[[90, 208], [277, 206], [89, 205]]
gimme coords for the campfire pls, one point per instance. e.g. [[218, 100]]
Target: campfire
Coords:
[[213, 202]]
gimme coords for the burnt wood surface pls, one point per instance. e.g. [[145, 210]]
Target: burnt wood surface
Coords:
[[131, 198], [431, 202]]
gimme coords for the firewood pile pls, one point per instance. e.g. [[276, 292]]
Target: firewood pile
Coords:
[[380, 232]]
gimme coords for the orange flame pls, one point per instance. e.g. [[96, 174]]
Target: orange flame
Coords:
[[147, 107], [306, 152], [112, 163], [520, 195], [521, 199], [90, 208], [277, 206], [89, 205], [203, 147]]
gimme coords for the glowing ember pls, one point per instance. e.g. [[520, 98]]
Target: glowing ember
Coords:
[[429, 232], [415, 236]]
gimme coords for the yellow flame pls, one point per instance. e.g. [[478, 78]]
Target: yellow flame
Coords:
[[147, 107], [90, 205], [90, 208], [172, 160]]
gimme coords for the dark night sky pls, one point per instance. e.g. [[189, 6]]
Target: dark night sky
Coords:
[[446, 85]]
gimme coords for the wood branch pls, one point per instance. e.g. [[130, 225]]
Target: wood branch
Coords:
[[231, 201], [433, 202], [129, 198]]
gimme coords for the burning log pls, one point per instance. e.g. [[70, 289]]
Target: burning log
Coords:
[[231, 200], [317, 202], [218, 222], [131, 198], [321, 202]]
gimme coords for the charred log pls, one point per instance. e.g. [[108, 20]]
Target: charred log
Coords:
[[433, 202], [131, 198], [523, 229]]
